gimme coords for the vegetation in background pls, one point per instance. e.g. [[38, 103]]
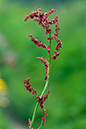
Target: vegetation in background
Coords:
[[68, 74]]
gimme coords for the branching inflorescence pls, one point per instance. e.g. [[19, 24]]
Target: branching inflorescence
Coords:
[[42, 19]]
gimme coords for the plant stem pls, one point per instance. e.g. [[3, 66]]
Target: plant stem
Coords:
[[40, 126], [50, 53], [46, 84], [34, 113]]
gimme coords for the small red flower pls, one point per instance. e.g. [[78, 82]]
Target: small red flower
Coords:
[[29, 123], [48, 39], [46, 77]]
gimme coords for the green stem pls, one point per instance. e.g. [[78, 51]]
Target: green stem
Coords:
[[46, 84], [40, 126], [50, 52], [34, 113]]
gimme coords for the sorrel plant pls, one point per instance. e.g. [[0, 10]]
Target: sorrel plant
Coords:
[[42, 19]]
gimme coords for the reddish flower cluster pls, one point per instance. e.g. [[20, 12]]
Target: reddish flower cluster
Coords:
[[55, 36], [41, 101], [28, 86], [44, 115], [46, 65], [58, 47], [37, 42], [42, 19]]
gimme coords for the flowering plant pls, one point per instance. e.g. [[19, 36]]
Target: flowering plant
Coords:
[[42, 19]]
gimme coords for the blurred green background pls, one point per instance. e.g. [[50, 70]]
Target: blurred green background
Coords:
[[66, 106]]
